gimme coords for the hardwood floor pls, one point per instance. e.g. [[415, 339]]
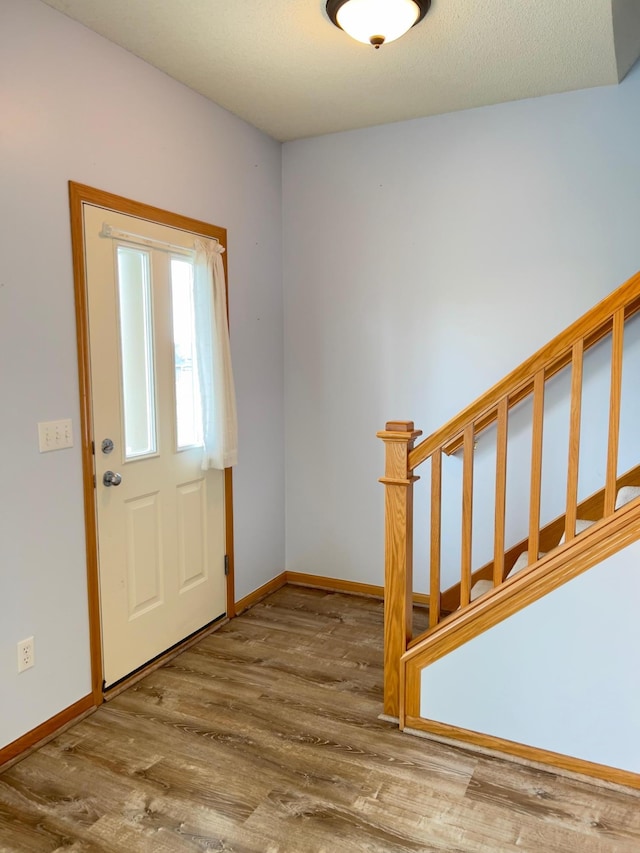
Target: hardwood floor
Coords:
[[265, 737]]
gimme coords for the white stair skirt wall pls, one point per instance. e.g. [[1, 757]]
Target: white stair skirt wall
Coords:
[[560, 675]]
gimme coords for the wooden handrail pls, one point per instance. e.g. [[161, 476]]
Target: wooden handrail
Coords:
[[590, 328]]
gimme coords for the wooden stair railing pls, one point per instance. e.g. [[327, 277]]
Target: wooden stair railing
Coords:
[[402, 459], [591, 509]]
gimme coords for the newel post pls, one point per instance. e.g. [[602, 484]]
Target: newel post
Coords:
[[398, 437]]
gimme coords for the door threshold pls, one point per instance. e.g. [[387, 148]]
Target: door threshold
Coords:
[[127, 681]]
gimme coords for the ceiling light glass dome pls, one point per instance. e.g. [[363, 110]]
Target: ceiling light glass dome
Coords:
[[376, 22]]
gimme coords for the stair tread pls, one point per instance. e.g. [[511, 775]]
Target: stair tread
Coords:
[[479, 588], [626, 494], [581, 524]]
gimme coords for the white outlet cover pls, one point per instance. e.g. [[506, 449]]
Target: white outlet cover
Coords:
[[26, 654]]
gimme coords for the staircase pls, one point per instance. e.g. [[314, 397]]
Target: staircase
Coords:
[[625, 495], [548, 553]]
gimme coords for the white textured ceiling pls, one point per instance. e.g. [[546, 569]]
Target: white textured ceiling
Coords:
[[284, 67]]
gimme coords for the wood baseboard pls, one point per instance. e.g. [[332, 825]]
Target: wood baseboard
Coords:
[[348, 587], [258, 594], [318, 582], [23, 746], [334, 584], [530, 754]]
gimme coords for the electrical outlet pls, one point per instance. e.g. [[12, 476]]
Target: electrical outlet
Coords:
[[26, 654]]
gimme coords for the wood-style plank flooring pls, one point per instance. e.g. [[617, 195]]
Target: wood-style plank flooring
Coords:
[[265, 737]]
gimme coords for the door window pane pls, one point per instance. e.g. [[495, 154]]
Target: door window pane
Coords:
[[188, 403], [136, 346]]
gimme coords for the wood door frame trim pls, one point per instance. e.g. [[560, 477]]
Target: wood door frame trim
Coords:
[[80, 194]]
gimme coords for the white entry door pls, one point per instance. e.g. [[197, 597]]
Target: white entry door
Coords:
[[160, 518]]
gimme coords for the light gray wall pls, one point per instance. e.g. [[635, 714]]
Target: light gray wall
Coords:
[[422, 262], [560, 675], [76, 107]]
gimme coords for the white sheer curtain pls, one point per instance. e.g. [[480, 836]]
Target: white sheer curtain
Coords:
[[219, 418]]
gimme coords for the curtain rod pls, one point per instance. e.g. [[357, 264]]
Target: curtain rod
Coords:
[[115, 234]]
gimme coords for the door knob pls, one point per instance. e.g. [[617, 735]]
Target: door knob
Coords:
[[111, 479]]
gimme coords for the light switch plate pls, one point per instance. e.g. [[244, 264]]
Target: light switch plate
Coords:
[[55, 435]]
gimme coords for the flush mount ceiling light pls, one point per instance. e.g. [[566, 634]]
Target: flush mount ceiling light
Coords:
[[376, 22]]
